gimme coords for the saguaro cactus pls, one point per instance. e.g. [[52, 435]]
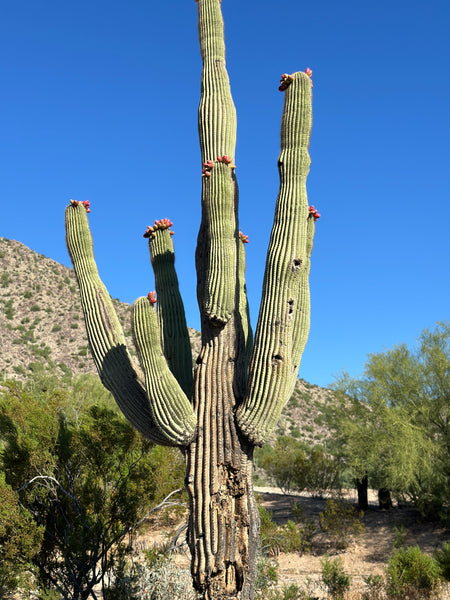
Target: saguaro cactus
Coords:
[[232, 401]]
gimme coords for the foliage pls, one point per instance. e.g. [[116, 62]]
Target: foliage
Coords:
[[410, 572], [334, 578], [285, 463], [295, 466], [442, 557], [393, 423], [375, 588], [290, 537], [161, 579], [20, 539], [267, 577], [86, 477], [341, 521]]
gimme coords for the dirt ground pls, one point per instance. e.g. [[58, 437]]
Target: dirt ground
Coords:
[[366, 555]]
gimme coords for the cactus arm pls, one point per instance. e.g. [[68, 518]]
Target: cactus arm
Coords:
[[116, 369], [217, 133], [283, 322], [171, 410], [171, 316]]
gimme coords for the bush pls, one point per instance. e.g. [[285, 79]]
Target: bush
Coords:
[[98, 478], [162, 580], [286, 464], [20, 539], [410, 572], [334, 578], [341, 521], [442, 557], [291, 537], [375, 588], [266, 579], [295, 466]]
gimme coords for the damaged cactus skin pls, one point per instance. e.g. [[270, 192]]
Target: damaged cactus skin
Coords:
[[218, 412]]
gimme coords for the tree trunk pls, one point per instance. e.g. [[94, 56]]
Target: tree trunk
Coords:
[[362, 488], [384, 499]]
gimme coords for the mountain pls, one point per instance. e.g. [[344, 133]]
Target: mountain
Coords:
[[41, 323]]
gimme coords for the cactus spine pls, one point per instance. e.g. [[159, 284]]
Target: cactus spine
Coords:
[[232, 401]]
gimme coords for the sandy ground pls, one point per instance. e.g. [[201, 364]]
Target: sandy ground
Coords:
[[366, 555]]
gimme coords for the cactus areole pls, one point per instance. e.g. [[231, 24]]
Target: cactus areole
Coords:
[[231, 401]]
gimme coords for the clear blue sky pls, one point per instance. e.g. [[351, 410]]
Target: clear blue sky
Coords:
[[99, 101]]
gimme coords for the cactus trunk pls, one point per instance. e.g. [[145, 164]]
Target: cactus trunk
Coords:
[[234, 397], [224, 521]]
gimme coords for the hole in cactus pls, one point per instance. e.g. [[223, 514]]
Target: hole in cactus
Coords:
[[297, 264], [291, 306], [277, 358]]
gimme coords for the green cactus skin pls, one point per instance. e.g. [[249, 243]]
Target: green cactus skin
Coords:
[[117, 371], [244, 309], [171, 410], [283, 323], [171, 315], [217, 133], [234, 402]]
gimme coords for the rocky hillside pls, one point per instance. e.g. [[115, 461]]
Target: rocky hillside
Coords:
[[41, 322]]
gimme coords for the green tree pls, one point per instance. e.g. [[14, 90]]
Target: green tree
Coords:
[[393, 424], [20, 540], [293, 465], [87, 478], [286, 464]]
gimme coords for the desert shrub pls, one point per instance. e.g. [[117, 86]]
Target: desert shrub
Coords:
[[163, 580], [374, 588], [20, 539], [290, 537], [400, 535], [296, 537], [341, 521], [5, 280], [9, 309], [98, 478], [335, 578], [266, 579], [442, 557], [322, 472], [292, 465], [287, 592], [411, 573], [286, 464]]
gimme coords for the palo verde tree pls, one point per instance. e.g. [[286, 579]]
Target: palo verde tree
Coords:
[[232, 401], [392, 425]]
